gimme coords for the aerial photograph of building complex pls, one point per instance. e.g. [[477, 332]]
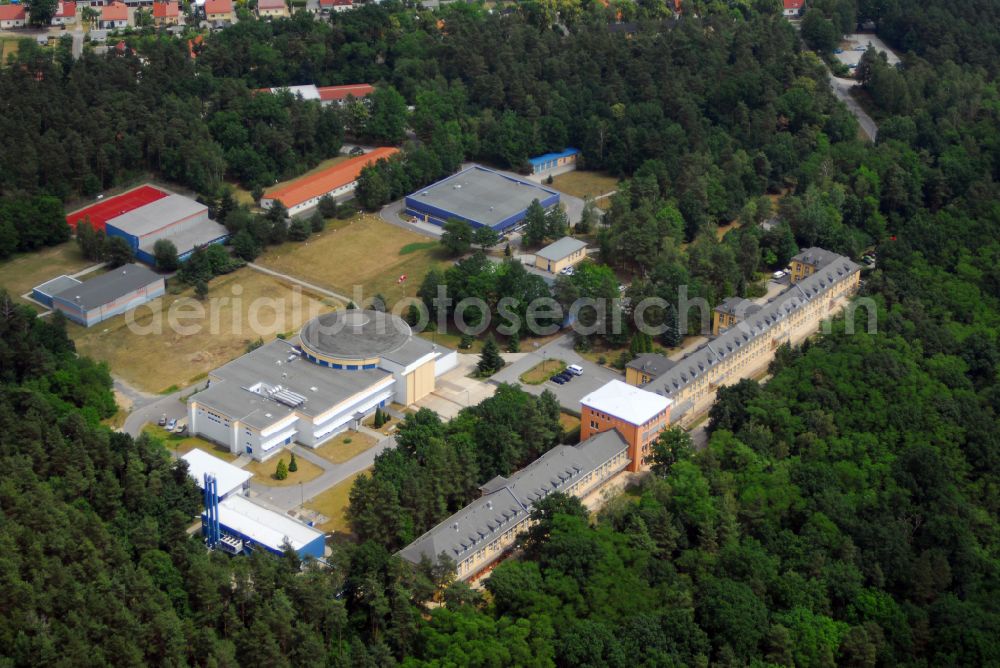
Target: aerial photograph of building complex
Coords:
[[494, 333]]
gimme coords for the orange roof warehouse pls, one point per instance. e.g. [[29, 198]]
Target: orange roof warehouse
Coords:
[[337, 182]]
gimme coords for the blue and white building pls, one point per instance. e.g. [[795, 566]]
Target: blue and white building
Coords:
[[480, 197], [234, 523], [555, 163], [105, 296]]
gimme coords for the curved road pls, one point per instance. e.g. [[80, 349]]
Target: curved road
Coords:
[[842, 89]]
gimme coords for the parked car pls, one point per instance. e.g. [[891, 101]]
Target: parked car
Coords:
[[180, 428], [558, 380], [575, 369], [162, 421], [171, 425], [566, 376], [778, 274], [357, 150]]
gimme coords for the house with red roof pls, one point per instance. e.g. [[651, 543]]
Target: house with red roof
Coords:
[[12, 16], [166, 13], [114, 15], [65, 13], [327, 6], [271, 8], [793, 8], [219, 10]]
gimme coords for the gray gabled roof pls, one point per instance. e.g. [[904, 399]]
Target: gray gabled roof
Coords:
[[817, 257], [511, 500], [651, 364], [557, 250], [732, 340], [108, 287]]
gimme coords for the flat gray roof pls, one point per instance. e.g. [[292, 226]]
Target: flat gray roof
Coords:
[[738, 306], [56, 285], [157, 215], [755, 325], [510, 499], [557, 250], [187, 236], [279, 363], [109, 287], [482, 195]]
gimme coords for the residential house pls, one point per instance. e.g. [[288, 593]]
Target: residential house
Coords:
[[166, 13], [327, 6], [272, 9], [12, 16], [793, 8], [219, 10], [113, 16], [65, 14]]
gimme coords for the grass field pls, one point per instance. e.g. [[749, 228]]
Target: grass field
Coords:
[[542, 371], [240, 307], [365, 251], [570, 423], [8, 47], [338, 451], [180, 445], [26, 270], [584, 184], [332, 503], [263, 472]]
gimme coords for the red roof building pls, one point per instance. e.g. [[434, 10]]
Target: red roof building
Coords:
[[166, 13], [336, 181], [65, 11], [114, 15], [12, 16], [329, 94], [219, 10], [335, 5], [793, 7]]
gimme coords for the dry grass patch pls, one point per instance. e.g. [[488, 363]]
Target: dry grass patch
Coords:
[[584, 184], [333, 503], [240, 307], [365, 251], [180, 445], [26, 270], [263, 472], [542, 371], [345, 447]]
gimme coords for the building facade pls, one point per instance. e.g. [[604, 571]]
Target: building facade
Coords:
[[746, 348], [109, 294], [555, 163], [166, 13], [65, 13], [113, 16], [639, 416], [558, 255], [175, 218], [337, 182], [342, 367], [13, 16], [731, 311], [478, 536], [272, 9], [809, 261], [479, 196]]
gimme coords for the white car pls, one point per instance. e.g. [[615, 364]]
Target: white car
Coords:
[[171, 424], [575, 369], [567, 271], [778, 274]]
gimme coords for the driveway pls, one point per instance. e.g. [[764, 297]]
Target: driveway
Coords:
[[390, 214], [842, 89], [569, 394], [287, 498], [455, 390], [148, 407]]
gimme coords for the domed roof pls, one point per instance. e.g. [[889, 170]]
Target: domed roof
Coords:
[[355, 334]]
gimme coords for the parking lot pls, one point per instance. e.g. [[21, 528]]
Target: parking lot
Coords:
[[855, 45], [569, 394]]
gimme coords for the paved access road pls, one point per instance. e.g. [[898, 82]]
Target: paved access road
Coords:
[[842, 89], [569, 395], [287, 498]]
